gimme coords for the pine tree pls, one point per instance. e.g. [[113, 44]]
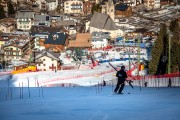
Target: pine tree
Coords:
[[96, 7], [175, 46], [159, 51], [11, 8], [2, 12], [156, 54]]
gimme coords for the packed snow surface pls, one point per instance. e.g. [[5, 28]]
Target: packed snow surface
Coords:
[[85, 102], [89, 103]]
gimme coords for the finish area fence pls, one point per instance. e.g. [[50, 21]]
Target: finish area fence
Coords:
[[167, 80]]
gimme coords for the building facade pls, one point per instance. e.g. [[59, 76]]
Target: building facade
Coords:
[[46, 61], [18, 48], [51, 4], [24, 20], [73, 7], [105, 25], [108, 8], [87, 6], [152, 4]]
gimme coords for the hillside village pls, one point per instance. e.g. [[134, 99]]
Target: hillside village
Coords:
[[49, 33]]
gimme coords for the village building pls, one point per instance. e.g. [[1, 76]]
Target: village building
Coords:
[[18, 48], [47, 61], [7, 25], [73, 7], [1, 56], [53, 38], [24, 19], [152, 4], [123, 10], [56, 42], [46, 5], [42, 20], [101, 22], [2, 41], [68, 25], [100, 39], [87, 6], [18, 65], [5, 37], [83, 40], [54, 20], [133, 3], [108, 8], [51, 4]]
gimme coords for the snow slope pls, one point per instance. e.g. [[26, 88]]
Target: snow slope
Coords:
[[84, 103]]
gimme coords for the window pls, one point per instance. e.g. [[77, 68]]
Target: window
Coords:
[[44, 65], [52, 59], [55, 36], [11, 53], [43, 59]]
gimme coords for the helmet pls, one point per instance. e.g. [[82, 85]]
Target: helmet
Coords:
[[122, 67]]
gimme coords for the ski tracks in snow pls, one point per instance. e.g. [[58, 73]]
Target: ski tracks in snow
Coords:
[[98, 115]]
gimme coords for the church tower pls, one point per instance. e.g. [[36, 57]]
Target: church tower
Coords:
[[110, 9]]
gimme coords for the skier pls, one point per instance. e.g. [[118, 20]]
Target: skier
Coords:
[[145, 84], [169, 83], [122, 75], [104, 83]]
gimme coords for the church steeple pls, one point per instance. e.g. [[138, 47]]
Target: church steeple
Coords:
[[110, 8]]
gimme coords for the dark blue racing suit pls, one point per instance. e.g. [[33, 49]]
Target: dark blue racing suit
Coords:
[[122, 75]]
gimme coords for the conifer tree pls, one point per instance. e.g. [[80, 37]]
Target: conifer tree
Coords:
[[2, 12], [11, 8], [96, 7], [158, 53], [175, 46]]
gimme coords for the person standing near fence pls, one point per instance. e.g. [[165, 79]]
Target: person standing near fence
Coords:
[[104, 83], [122, 75], [169, 82]]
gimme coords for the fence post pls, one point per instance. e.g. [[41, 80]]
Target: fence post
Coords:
[[42, 92], [11, 92], [28, 87], [139, 83], [22, 90]]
